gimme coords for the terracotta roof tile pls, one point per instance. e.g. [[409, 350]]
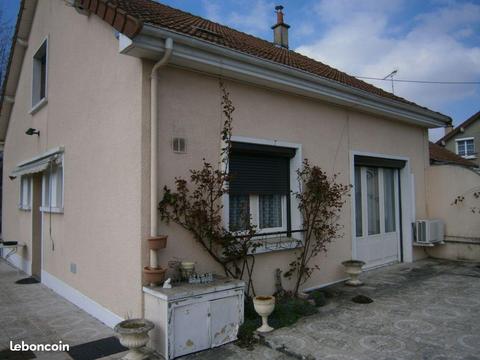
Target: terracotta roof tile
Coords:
[[157, 14], [441, 155]]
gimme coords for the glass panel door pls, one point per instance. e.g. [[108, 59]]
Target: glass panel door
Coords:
[[358, 201], [373, 201], [389, 199]]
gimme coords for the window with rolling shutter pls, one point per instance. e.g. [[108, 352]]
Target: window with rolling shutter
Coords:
[[259, 187]]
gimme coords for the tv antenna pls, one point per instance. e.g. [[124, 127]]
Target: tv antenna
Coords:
[[391, 75]]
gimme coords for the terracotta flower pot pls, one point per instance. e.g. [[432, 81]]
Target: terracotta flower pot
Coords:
[[133, 334], [264, 306], [153, 276], [157, 242], [353, 268]]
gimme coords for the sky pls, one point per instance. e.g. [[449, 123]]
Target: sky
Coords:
[[432, 40]]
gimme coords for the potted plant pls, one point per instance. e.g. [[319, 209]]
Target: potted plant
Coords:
[[153, 276], [133, 334], [187, 268], [157, 242], [353, 268], [264, 306]]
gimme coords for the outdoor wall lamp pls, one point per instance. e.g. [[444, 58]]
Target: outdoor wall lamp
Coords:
[[32, 131]]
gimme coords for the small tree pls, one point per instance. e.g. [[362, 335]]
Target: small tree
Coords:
[[197, 207], [320, 200]]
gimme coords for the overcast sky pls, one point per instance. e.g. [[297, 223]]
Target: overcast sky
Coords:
[[435, 40]]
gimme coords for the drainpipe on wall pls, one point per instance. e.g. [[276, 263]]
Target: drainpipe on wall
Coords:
[[154, 145]]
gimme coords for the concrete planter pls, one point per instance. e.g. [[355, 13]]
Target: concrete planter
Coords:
[[264, 306], [353, 268], [133, 334], [187, 268]]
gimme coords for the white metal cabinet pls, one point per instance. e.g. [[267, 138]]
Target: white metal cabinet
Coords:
[[194, 317], [190, 328]]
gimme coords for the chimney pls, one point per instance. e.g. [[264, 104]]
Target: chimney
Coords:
[[280, 29], [448, 129]]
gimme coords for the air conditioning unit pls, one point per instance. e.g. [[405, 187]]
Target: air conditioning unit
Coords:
[[429, 231]]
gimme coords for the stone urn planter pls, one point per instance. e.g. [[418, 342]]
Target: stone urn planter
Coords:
[[154, 276], [187, 268], [133, 334], [353, 268], [264, 306]]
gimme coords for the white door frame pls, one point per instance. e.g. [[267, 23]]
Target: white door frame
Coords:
[[407, 202]]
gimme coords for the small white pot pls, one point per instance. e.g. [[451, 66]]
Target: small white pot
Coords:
[[133, 334], [353, 268], [264, 306]]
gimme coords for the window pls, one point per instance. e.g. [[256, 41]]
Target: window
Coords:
[[52, 199], [25, 193], [259, 189], [466, 147], [39, 76]]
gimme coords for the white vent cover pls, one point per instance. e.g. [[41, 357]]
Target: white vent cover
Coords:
[[429, 231], [179, 145]]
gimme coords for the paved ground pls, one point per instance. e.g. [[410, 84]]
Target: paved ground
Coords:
[[426, 310], [37, 315]]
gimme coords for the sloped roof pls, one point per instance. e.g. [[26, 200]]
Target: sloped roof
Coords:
[[457, 130], [438, 154], [128, 17]]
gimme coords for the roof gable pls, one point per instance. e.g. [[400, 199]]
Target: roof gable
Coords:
[[457, 130]]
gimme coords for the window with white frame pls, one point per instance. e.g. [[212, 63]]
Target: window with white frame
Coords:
[[259, 187], [25, 193], [466, 147], [39, 76], [52, 194]]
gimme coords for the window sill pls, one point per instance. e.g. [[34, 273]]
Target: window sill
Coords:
[[281, 243], [469, 157], [24, 208], [38, 106], [51, 210]]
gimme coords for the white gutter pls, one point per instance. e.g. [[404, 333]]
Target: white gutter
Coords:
[[204, 56], [154, 138]]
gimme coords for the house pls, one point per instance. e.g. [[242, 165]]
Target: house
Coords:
[[449, 177], [108, 101], [464, 140]]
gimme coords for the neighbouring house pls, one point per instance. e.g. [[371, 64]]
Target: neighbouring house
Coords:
[[451, 176], [91, 135], [464, 140]]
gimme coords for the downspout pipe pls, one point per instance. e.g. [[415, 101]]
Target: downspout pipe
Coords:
[[154, 139]]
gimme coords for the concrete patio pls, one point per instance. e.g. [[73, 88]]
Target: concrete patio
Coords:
[[426, 310]]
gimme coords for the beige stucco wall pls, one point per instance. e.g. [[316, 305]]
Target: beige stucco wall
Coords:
[[462, 226], [190, 107], [94, 110], [98, 108]]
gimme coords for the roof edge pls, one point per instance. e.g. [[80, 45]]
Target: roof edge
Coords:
[[112, 14], [17, 52], [201, 54]]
